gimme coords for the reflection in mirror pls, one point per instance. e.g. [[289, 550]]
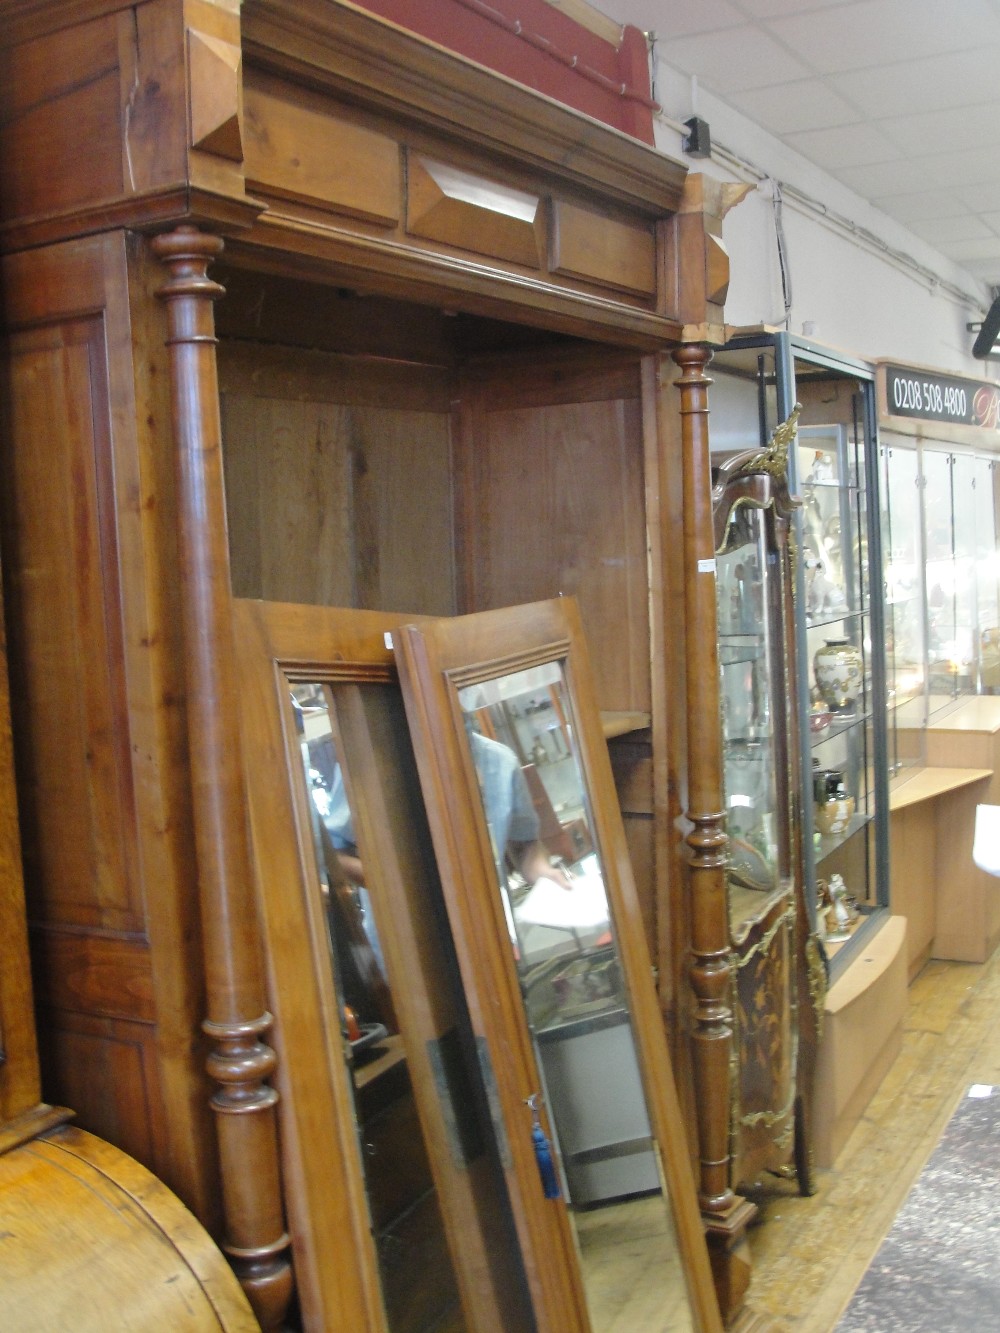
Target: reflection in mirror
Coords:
[[549, 875], [418, 1280]]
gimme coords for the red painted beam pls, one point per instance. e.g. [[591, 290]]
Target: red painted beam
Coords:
[[532, 42]]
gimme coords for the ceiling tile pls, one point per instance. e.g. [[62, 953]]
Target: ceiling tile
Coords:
[[983, 197], [946, 231], [907, 176], [951, 79], [923, 204], [679, 18], [843, 146], [886, 32], [804, 105], [944, 130], [962, 250], [739, 58], [762, 9]]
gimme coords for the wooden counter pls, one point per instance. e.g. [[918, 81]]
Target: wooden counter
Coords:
[[862, 1034], [952, 908]]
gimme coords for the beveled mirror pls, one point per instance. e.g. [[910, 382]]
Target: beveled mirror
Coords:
[[544, 915], [396, 1196]]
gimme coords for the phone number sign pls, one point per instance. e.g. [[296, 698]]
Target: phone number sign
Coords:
[[928, 397]]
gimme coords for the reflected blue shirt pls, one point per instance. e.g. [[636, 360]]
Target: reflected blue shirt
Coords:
[[506, 798]]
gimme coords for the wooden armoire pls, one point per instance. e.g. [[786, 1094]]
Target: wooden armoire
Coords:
[[303, 307]]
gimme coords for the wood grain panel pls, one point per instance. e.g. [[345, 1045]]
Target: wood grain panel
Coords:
[[632, 766], [639, 835], [76, 797], [913, 840], [106, 1071], [320, 377], [339, 506], [599, 249], [104, 975], [55, 148], [300, 150], [559, 509]]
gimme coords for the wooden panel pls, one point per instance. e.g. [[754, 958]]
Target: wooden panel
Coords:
[[77, 801], [287, 496], [913, 839], [299, 150], [104, 975], [106, 1071], [639, 834], [337, 505], [20, 1090], [296, 373], [599, 249], [457, 208], [558, 508], [632, 766], [63, 97]]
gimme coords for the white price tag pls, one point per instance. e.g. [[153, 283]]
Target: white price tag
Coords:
[[706, 566]]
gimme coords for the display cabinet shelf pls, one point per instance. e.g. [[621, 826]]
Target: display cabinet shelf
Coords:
[[840, 726], [827, 844]]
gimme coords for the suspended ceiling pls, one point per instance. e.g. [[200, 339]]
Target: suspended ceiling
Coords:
[[897, 99]]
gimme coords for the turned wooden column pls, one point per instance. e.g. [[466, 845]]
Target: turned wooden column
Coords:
[[725, 1214], [237, 1020]]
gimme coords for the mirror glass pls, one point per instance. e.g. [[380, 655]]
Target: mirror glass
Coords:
[[418, 1280], [604, 1163]]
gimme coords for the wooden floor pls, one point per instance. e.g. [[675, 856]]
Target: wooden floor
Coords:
[[810, 1254]]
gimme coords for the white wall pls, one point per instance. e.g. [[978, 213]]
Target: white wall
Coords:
[[867, 285]]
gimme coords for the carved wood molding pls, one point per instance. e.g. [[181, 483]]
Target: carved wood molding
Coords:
[[341, 48]]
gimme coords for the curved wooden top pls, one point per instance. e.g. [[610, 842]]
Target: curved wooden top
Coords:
[[90, 1240]]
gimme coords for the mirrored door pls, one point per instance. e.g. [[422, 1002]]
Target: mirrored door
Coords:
[[549, 940], [393, 1178]]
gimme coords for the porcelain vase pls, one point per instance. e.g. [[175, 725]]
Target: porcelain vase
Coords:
[[837, 668]]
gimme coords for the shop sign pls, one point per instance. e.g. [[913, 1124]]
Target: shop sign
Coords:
[[926, 396]]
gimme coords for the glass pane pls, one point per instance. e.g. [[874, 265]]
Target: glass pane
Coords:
[[963, 648], [828, 521], [418, 1279], [749, 628], [941, 578], [905, 646], [549, 875], [987, 574]]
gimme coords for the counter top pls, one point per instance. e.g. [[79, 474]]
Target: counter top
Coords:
[[981, 712], [926, 783]]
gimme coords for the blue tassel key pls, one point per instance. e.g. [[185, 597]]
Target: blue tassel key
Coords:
[[543, 1152]]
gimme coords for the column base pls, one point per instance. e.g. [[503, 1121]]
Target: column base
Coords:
[[729, 1256]]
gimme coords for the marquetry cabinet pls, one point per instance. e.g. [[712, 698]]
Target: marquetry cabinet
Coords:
[[303, 308]]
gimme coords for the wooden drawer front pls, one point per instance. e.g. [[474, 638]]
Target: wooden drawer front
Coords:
[[297, 150], [461, 209], [598, 249]]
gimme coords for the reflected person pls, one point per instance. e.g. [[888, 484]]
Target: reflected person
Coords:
[[510, 812]]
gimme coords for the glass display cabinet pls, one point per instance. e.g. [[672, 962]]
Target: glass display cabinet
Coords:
[[804, 721], [939, 523]]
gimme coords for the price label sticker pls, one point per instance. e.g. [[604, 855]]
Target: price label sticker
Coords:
[[706, 566]]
